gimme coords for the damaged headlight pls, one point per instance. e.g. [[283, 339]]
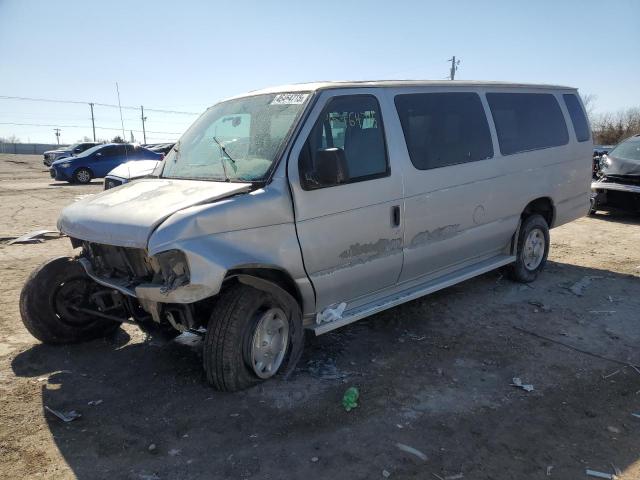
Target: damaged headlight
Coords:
[[174, 269], [605, 162]]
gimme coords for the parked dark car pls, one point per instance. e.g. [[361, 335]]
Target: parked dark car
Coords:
[[162, 148], [98, 161], [51, 156], [618, 178]]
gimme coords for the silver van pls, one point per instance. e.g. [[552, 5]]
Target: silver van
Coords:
[[312, 206]]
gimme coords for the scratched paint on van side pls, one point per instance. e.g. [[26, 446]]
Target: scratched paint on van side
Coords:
[[430, 236], [358, 254]]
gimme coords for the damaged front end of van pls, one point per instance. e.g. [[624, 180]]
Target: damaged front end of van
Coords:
[[157, 252]]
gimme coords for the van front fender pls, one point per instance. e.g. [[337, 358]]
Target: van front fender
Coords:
[[211, 257]]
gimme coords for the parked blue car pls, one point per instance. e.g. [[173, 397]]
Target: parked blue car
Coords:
[[98, 161]]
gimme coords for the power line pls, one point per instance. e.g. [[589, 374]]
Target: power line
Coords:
[[78, 102], [79, 126]]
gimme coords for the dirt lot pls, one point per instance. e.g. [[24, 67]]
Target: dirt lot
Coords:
[[433, 374]]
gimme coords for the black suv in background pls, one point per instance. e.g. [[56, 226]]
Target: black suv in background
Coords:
[[51, 156]]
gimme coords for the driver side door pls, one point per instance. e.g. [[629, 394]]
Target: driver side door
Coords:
[[350, 233]]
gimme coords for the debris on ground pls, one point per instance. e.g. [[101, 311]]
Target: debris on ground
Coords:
[[174, 451], [37, 236], [350, 398], [64, 416], [94, 403], [386, 474], [581, 285], [517, 382], [549, 468], [412, 451], [540, 305], [596, 474], [613, 429], [637, 415], [152, 448], [457, 476], [315, 459]]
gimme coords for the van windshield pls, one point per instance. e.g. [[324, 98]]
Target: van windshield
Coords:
[[236, 140]]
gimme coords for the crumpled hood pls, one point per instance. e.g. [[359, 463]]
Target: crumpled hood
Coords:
[[620, 166], [134, 169], [126, 216]]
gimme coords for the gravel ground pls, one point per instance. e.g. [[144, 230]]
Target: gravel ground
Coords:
[[434, 374]]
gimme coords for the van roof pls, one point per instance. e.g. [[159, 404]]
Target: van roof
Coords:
[[312, 86]]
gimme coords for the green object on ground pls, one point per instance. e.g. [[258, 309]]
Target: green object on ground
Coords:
[[350, 398]]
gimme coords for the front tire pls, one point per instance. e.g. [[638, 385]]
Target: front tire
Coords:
[[532, 249], [48, 299], [248, 338], [82, 176]]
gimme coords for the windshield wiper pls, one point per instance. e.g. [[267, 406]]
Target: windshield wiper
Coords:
[[226, 154]]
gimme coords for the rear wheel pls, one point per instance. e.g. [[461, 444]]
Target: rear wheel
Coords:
[[247, 339], [51, 302], [82, 175], [532, 249]]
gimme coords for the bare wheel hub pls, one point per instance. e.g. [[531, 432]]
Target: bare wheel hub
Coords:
[[534, 247], [270, 342]]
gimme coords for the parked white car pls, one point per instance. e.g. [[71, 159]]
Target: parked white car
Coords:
[[316, 205], [128, 171]]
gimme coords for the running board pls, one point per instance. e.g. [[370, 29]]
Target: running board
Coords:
[[413, 293]]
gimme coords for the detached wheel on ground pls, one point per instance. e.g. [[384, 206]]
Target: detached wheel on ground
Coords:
[[532, 249], [50, 300], [82, 175], [247, 340]]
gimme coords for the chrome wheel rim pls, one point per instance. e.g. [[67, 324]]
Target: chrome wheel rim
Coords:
[[270, 342], [83, 176], [534, 247]]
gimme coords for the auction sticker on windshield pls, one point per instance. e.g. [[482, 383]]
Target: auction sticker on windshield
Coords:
[[289, 98]]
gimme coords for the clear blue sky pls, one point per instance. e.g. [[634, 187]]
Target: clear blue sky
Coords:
[[186, 55]]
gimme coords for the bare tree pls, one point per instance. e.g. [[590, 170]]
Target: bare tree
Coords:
[[610, 128]]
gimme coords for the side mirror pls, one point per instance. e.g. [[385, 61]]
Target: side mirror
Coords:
[[331, 167]]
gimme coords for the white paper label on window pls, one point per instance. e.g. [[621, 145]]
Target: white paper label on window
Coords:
[[289, 98]]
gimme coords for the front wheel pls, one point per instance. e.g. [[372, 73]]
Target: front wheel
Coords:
[[82, 176], [52, 299], [532, 249], [248, 338]]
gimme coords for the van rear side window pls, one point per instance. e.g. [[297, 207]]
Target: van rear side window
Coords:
[[578, 118], [443, 129], [527, 121]]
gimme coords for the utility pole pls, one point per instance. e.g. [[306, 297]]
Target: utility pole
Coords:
[[144, 119], [93, 122], [120, 107], [57, 130], [454, 67]]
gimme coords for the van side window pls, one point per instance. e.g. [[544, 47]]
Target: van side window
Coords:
[[578, 118], [352, 125], [527, 121], [443, 129]]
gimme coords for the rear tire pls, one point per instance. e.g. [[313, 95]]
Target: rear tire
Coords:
[[247, 339], [45, 299], [82, 176], [532, 249]]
